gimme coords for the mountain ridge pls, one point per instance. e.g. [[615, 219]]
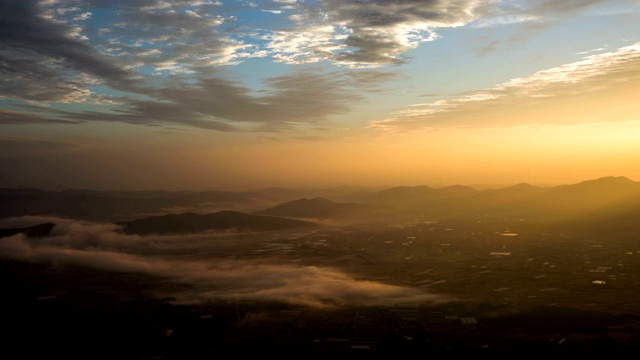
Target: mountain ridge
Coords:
[[598, 199], [221, 220]]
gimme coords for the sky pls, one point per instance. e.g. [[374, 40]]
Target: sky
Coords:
[[241, 95]]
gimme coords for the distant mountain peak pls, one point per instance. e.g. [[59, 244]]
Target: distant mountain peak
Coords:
[[318, 207], [307, 202], [457, 190], [605, 182], [319, 200], [522, 186], [612, 179]]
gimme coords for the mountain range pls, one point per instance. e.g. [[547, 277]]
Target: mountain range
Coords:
[[603, 204], [319, 208]]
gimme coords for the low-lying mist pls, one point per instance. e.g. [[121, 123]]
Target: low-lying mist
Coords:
[[216, 276]]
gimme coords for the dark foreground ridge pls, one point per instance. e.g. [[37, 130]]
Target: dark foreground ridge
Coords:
[[82, 324], [223, 220], [35, 231]]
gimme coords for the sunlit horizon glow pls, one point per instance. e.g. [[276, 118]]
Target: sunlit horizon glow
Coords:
[[238, 95]]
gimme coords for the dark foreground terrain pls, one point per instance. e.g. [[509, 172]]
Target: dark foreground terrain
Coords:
[[511, 293], [409, 272], [88, 325]]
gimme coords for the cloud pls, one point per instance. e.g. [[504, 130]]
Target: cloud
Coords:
[[538, 14], [16, 248], [99, 246], [37, 80], [174, 37], [305, 285], [35, 49], [14, 117], [528, 19], [298, 98], [592, 84], [184, 36], [164, 63], [304, 45], [368, 33], [43, 59], [550, 8]]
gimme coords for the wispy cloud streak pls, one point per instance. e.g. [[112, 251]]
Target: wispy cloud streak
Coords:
[[612, 73]]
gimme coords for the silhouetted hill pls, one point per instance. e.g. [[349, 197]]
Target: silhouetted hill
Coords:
[[456, 191], [622, 216], [412, 195], [410, 201], [518, 190], [107, 205], [223, 220], [40, 230], [402, 195], [514, 201], [278, 193], [603, 183], [359, 197], [341, 192], [521, 200], [566, 201], [509, 195], [609, 201], [316, 208], [599, 191]]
